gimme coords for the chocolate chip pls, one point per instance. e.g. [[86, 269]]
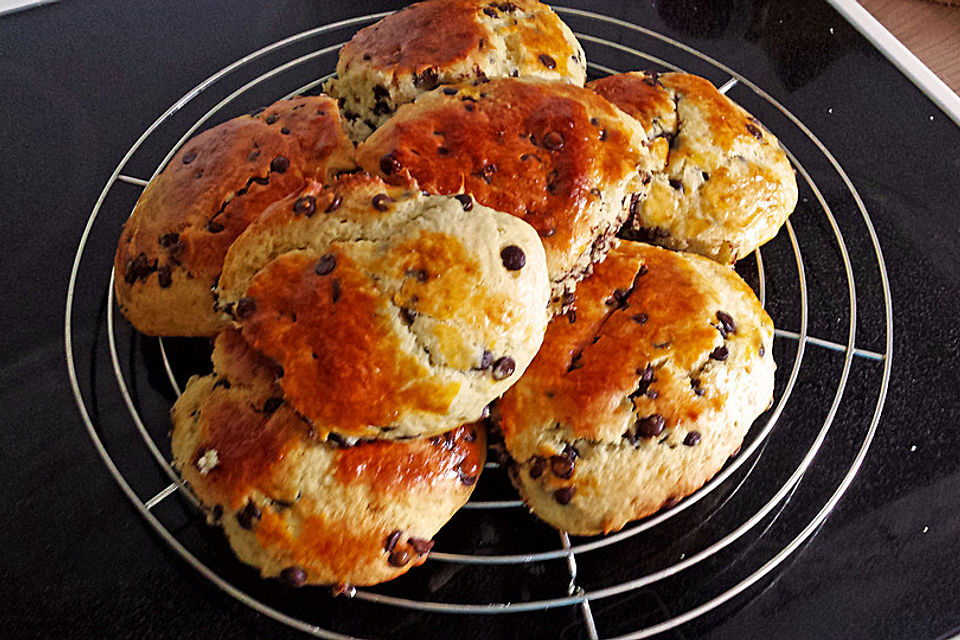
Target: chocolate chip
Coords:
[[509, 7], [618, 299], [603, 135], [246, 307], [513, 257], [450, 91], [307, 205], [381, 108], [720, 353], [641, 318], [421, 275], [389, 163], [280, 164], [380, 201], [537, 466], [189, 157], [391, 542], [575, 362], [465, 200], [164, 277], [572, 316], [214, 227], [651, 426], [485, 361], [705, 176], [490, 11], [503, 368], [399, 558], [271, 405], [293, 577], [426, 79], [169, 239], [335, 291], [420, 545], [366, 56], [676, 184], [326, 265], [272, 118], [695, 385], [646, 177], [692, 439], [467, 479], [285, 131], [755, 132], [564, 495], [726, 322], [249, 515], [486, 173], [334, 204], [547, 61], [553, 141], [408, 315], [562, 466]]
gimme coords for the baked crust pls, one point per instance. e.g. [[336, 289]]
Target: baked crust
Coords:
[[438, 42], [557, 156], [172, 248], [658, 346], [393, 314], [306, 511], [728, 186]]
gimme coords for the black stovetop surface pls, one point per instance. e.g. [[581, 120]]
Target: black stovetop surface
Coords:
[[82, 80]]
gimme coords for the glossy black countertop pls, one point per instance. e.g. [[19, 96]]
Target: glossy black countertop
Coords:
[[81, 81]]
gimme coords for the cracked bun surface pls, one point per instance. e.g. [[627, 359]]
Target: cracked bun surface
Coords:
[[439, 42], [728, 186], [641, 391], [558, 156], [391, 313], [306, 511], [172, 248]]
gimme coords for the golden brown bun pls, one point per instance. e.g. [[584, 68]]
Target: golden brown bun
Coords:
[[641, 392], [449, 41], [558, 156], [393, 313], [728, 186], [172, 247], [303, 510]]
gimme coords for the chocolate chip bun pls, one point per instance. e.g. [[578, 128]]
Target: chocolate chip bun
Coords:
[[558, 156], [306, 511], [728, 186], [449, 41], [172, 247], [641, 392], [393, 314]]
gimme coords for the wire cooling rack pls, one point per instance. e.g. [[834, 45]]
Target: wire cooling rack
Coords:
[[495, 566]]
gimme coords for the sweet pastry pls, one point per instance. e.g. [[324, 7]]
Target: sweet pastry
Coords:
[[558, 156], [728, 186], [437, 42], [172, 247], [640, 392], [306, 511], [392, 314]]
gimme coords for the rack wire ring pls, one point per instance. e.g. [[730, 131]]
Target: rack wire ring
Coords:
[[569, 552]]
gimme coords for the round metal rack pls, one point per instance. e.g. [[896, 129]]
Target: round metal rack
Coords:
[[730, 538]]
